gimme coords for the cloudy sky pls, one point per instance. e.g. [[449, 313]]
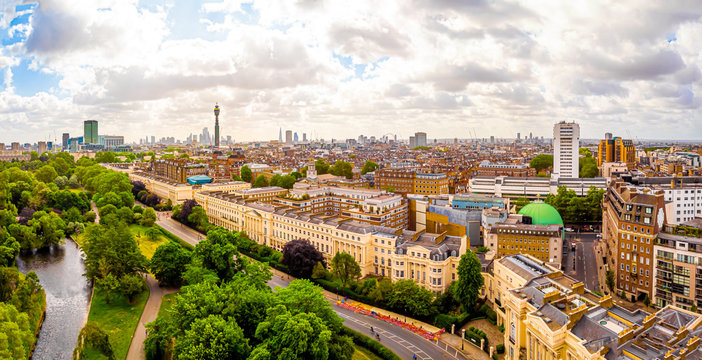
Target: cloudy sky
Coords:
[[337, 69]]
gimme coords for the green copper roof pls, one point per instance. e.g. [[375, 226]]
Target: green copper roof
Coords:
[[542, 214]]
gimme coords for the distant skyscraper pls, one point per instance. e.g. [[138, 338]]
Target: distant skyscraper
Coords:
[[530, 137], [206, 140], [492, 139], [295, 138], [216, 136], [304, 137], [288, 137], [90, 132], [420, 138], [229, 139], [153, 140], [519, 136], [64, 142], [280, 135], [566, 146]]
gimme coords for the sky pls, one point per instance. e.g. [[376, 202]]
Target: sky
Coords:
[[338, 69]]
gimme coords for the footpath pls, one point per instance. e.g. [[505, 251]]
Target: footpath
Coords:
[[136, 348]]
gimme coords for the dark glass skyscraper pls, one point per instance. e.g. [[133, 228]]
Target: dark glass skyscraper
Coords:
[[90, 132]]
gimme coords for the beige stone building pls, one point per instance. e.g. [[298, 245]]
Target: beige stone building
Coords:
[[548, 315], [431, 259]]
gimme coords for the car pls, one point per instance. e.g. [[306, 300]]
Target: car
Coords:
[[569, 229], [599, 236]]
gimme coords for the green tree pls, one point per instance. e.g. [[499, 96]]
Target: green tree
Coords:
[[275, 180], [46, 174], [521, 202], [585, 152], [213, 338], [9, 279], [260, 181], [131, 285], [381, 290], [321, 167], [148, 217], [49, 229], [168, 263], [61, 181], [588, 167], [342, 168], [9, 248], [541, 162], [218, 253], [610, 279], [246, 174], [286, 336], [318, 272], [111, 250], [152, 234], [17, 336], [198, 217], [409, 298], [470, 281], [287, 181], [108, 285], [369, 166], [345, 268]]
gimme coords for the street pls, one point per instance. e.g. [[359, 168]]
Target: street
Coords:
[[401, 341], [585, 268]]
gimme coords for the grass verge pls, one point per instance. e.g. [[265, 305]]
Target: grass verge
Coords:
[[362, 353], [146, 246], [118, 319], [167, 302]]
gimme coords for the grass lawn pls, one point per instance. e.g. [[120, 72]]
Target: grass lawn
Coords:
[[146, 246], [363, 354], [118, 319], [167, 302]]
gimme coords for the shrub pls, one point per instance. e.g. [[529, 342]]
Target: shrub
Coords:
[[501, 328], [500, 348]]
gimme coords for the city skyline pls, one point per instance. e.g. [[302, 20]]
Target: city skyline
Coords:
[[440, 67]]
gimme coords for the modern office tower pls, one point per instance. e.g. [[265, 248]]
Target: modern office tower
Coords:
[[420, 138], [153, 140], [288, 137], [229, 139], [205, 136], [295, 138], [64, 142], [304, 137], [566, 146], [41, 147], [519, 136], [412, 142], [616, 150], [280, 135], [90, 132], [15, 146], [492, 139], [530, 136], [216, 136]]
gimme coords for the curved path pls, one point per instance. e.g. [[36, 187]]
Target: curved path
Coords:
[[401, 341], [136, 348]]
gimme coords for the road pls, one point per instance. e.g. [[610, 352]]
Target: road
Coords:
[[583, 258], [401, 341]]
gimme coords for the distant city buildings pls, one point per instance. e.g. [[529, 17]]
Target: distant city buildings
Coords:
[[90, 132], [616, 150]]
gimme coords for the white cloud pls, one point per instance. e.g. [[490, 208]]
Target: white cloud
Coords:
[[438, 66]]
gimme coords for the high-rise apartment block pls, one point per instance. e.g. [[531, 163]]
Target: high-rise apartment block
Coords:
[[420, 138], [616, 150], [678, 271], [90, 132], [566, 146]]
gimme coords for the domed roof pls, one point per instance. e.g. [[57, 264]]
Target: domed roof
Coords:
[[542, 213]]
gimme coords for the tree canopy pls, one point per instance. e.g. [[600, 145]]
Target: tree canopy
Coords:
[[300, 256], [541, 162], [345, 267], [470, 281]]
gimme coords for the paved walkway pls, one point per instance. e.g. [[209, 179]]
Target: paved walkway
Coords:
[[136, 349]]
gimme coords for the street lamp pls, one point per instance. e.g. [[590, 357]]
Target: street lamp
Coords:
[[463, 337]]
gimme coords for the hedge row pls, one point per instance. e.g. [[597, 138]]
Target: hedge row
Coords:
[[172, 237], [371, 345], [344, 291]]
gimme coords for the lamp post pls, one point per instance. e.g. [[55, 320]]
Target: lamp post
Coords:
[[463, 337]]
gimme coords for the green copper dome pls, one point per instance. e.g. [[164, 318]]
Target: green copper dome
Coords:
[[542, 214]]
